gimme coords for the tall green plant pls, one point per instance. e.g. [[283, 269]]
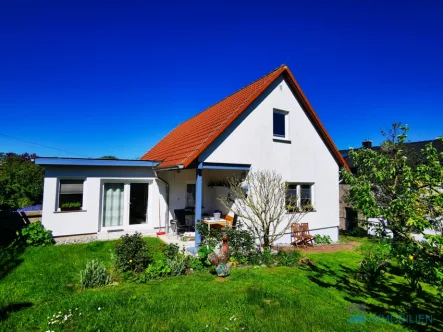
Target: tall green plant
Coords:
[[35, 234], [402, 189]]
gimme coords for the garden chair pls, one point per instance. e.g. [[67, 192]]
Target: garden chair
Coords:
[[232, 221], [297, 235], [179, 223], [308, 237]]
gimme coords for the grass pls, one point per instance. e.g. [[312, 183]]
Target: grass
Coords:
[[320, 297]]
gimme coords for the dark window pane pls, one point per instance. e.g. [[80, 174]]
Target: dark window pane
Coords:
[[291, 198], [305, 194], [190, 195], [279, 124]]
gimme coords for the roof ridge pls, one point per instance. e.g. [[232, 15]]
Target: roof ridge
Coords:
[[236, 110]]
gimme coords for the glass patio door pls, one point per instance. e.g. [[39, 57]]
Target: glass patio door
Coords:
[[113, 204]]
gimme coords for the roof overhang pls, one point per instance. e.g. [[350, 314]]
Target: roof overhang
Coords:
[[226, 166], [51, 161]]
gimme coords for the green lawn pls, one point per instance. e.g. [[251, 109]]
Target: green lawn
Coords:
[[318, 298]]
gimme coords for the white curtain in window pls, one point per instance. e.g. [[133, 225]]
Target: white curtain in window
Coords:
[[113, 208]]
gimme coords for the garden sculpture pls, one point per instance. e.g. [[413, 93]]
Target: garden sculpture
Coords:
[[221, 261]]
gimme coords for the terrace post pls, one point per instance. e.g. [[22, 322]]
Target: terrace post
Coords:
[[198, 201]]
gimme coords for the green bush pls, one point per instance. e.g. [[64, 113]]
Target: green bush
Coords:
[[35, 234], [157, 269], [288, 257], [374, 263], [319, 239], [241, 242], [171, 251], [94, 275], [132, 253], [177, 265], [194, 263]]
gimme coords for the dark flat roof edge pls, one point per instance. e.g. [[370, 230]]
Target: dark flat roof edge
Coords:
[[55, 161]]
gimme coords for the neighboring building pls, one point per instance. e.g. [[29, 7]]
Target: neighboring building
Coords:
[[348, 216], [269, 124]]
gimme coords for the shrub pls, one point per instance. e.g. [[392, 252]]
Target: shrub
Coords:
[[374, 263], [132, 253], [94, 275], [241, 242], [177, 265], [171, 251], [157, 269], [288, 258], [319, 239], [194, 263], [35, 234]]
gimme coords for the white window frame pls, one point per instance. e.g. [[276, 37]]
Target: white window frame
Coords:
[[57, 196], [298, 189], [286, 117], [126, 197]]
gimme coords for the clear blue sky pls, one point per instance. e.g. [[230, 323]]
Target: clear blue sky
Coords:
[[112, 78]]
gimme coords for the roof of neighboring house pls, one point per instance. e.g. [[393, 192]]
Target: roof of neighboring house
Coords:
[[189, 139], [414, 148]]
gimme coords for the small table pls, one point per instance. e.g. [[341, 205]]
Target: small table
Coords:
[[220, 222]]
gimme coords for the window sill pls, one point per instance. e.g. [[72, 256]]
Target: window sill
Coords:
[[281, 140], [72, 211], [287, 212]]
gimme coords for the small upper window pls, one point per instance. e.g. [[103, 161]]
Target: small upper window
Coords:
[[70, 194], [280, 124]]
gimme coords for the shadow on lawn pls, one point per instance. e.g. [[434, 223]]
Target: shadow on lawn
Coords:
[[386, 300], [6, 310], [9, 259]]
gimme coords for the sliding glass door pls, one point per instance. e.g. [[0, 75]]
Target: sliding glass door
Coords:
[[125, 204], [113, 204]]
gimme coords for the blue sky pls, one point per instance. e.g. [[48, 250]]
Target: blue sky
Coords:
[[112, 78]]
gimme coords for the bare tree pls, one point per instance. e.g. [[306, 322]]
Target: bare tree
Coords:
[[262, 200]]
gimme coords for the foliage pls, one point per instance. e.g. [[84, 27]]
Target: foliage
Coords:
[[241, 242], [35, 234], [157, 269], [402, 189], [177, 265], [194, 263], [288, 257], [21, 181], [94, 275], [171, 251], [374, 263], [203, 253], [71, 205], [319, 239], [261, 199], [132, 253]]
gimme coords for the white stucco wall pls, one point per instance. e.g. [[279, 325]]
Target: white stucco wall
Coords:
[[306, 158], [89, 220]]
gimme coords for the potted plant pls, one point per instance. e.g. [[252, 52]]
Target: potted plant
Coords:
[[71, 206]]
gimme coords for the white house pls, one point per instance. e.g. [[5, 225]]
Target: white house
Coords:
[[268, 124]]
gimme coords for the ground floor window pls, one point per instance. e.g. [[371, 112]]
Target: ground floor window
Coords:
[[299, 196], [70, 195]]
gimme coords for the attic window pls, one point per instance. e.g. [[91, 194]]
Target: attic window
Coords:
[[280, 124]]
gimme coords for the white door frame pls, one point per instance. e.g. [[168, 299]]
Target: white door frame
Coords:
[[126, 206]]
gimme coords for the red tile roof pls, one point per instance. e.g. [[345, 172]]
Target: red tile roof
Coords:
[[185, 143]]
